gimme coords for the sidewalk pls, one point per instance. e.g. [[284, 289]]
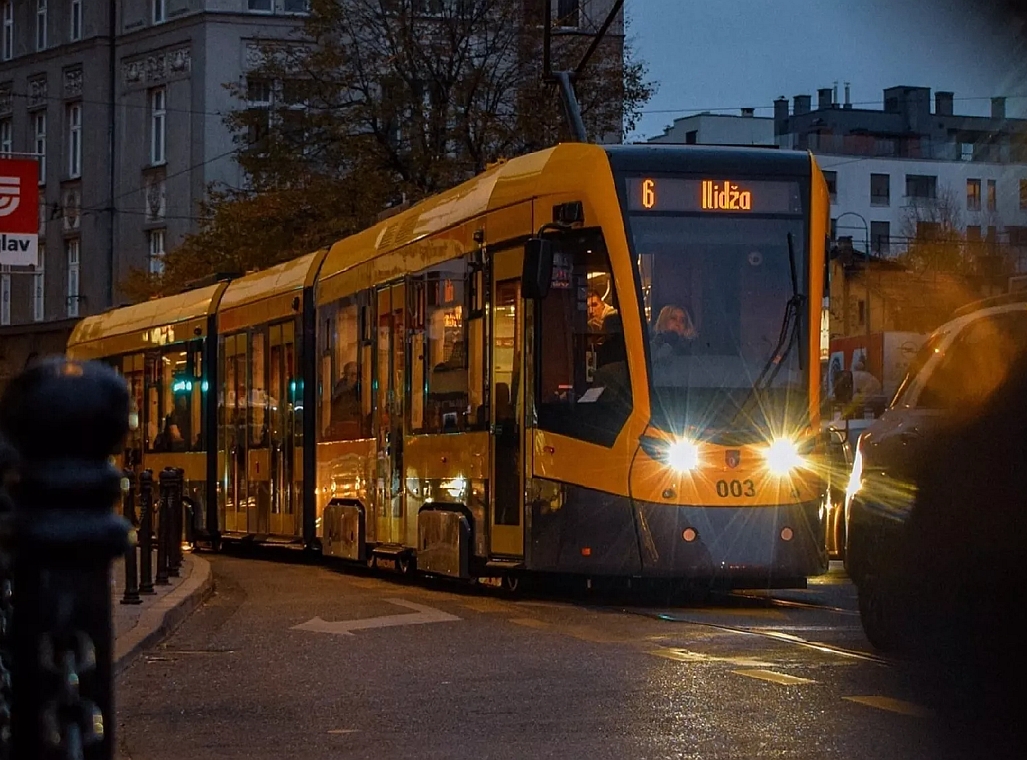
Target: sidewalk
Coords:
[[140, 626]]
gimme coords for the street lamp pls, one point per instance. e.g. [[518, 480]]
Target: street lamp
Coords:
[[866, 274]]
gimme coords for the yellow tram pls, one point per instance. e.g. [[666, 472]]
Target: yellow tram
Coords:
[[595, 360]]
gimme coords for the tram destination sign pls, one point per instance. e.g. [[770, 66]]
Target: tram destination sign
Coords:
[[19, 211], [713, 195]]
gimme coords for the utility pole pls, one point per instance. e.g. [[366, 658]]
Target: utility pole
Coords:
[[565, 79]]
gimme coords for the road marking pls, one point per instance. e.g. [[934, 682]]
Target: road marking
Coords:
[[770, 675], [892, 705], [421, 616], [684, 655], [529, 622]]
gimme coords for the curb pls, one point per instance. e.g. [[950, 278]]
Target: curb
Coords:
[[158, 621]]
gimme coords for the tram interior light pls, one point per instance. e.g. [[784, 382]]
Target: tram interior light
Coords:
[[683, 455], [782, 456]]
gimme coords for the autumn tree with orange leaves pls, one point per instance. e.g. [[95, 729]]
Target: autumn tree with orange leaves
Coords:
[[380, 102]]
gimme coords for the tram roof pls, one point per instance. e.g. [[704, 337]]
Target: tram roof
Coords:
[[715, 159], [104, 334], [281, 278], [510, 182]]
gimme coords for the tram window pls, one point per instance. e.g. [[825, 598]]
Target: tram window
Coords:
[[258, 390], [132, 368], [174, 402], [440, 298], [341, 415], [584, 388]]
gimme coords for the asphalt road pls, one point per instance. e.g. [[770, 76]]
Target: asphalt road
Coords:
[[434, 671]]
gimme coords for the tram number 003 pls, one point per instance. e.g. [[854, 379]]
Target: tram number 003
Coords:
[[736, 488]]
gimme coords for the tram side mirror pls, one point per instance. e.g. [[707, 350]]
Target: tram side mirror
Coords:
[[843, 387], [538, 268]]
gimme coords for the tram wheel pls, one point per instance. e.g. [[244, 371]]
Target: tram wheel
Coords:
[[511, 583], [403, 564]]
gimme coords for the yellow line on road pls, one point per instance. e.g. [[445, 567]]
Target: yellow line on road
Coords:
[[685, 655], [892, 705], [770, 675]]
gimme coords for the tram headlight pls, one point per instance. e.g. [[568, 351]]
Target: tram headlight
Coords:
[[683, 455], [782, 456]]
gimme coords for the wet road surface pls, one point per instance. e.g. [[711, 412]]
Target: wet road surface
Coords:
[[297, 660]]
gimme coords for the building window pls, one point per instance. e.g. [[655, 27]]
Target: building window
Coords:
[[992, 196], [692, 137], [74, 248], [158, 125], [6, 137], [921, 186], [260, 5], [834, 229], [38, 287], [39, 123], [159, 11], [568, 13], [296, 6], [832, 185], [973, 234], [8, 38], [75, 140], [258, 109], [40, 24], [5, 296], [880, 189], [1023, 194], [880, 233], [928, 231], [76, 20], [966, 151], [155, 244], [973, 194]]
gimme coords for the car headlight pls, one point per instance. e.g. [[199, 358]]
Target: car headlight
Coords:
[[855, 477], [782, 456], [683, 455]]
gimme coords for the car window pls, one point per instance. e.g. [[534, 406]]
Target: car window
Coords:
[[903, 394], [976, 363]]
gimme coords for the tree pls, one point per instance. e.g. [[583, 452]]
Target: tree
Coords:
[[933, 229], [380, 102]]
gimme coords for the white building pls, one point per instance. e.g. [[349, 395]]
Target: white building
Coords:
[[987, 200], [720, 129]]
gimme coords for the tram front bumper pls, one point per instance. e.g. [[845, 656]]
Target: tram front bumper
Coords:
[[597, 533]]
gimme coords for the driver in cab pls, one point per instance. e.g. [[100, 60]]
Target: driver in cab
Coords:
[[673, 333]]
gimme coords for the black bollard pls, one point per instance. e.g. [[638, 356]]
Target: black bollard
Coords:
[[146, 532], [131, 595], [164, 526], [175, 545], [65, 419]]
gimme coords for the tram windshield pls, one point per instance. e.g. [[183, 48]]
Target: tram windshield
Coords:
[[716, 292]]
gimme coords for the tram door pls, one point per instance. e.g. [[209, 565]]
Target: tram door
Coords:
[[390, 381], [281, 358], [507, 528], [234, 432]]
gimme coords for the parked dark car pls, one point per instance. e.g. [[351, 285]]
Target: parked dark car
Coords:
[[922, 502]]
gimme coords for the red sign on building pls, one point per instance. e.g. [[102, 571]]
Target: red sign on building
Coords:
[[19, 211]]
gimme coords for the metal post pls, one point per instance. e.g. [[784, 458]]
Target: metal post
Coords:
[[65, 419], [175, 528], [146, 533], [131, 570], [164, 527]]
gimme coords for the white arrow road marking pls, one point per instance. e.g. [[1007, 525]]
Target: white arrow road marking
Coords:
[[422, 615]]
